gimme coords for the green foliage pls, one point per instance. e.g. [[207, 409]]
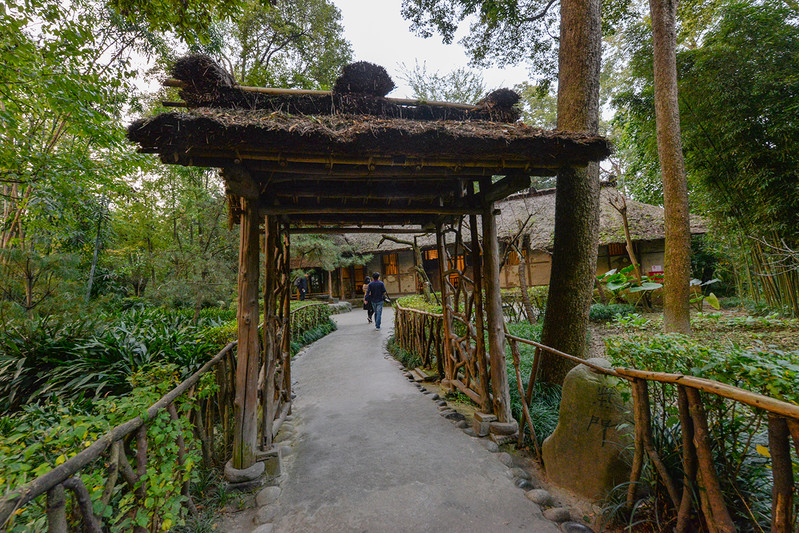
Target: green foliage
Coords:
[[311, 335], [417, 301], [89, 358], [41, 437], [625, 287], [545, 405], [604, 312], [460, 85], [287, 43], [735, 430], [408, 359]]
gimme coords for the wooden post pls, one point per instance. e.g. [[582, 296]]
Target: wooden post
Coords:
[[270, 347], [716, 513], [446, 321], [495, 320], [286, 315], [245, 410], [56, 510], [477, 275], [782, 491]]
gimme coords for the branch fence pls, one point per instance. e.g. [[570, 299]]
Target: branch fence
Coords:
[[210, 424], [700, 488]]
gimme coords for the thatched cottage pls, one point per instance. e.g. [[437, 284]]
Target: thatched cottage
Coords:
[[535, 211]]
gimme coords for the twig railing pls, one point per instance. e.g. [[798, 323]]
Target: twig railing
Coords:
[[419, 332], [210, 419], [697, 454], [121, 438]]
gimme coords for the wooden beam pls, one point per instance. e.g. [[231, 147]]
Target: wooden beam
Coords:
[[377, 210], [171, 82], [343, 229], [371, 162], [245, 407], [505, 187], [392, 189], [494, 317]]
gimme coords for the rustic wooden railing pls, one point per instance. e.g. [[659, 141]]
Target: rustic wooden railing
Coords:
[[697, 458], [211, 421], [697, 454], [419, 332]]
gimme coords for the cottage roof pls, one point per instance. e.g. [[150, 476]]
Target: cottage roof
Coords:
[[352, 156], [646, 222]]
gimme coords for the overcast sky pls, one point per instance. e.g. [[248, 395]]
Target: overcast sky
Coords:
[[379, 34]]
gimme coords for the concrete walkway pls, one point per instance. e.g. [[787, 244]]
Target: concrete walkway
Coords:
[[371, 453]]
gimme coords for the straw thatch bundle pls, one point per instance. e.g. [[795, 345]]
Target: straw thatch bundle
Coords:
[[360, 90]]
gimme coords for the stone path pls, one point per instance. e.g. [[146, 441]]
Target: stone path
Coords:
[[370, 453]]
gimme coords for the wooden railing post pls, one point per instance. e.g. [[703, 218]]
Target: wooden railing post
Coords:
[[56, 510], [477, 275], [688, 462], [716, 512], [782, 469], [494, 317], [446, 326]]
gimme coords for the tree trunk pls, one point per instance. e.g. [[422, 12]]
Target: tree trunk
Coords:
[[677, 275], [96, 250], [577, 198], [330, 284]]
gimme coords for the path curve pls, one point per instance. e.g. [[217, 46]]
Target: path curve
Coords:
[[372, 454]]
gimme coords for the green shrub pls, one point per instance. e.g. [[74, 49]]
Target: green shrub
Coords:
[[312, 335], [40, 437], [604, 312], [736, 431], [408, 359]]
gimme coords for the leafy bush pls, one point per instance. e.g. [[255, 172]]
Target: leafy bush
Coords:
[[408, 359], [311, 335], [737, 431], [40, 437], [545, 405], [603, 312], [94, 357]]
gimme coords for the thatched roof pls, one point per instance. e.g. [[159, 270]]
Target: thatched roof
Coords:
[[645, 220], [352, 156]]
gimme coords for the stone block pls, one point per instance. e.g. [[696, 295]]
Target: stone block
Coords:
[[503, 428], [236, 475], [557, 514], [541, 497], [481, 423], [584, 453], [267, 495]]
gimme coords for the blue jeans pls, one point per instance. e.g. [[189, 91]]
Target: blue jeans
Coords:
[[378, 307]]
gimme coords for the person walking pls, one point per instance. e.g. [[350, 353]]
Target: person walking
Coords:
[[302, 285], [366, 304], [376, 295]]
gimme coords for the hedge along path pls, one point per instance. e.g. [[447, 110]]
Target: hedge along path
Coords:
[[209, 421], [697, 458]]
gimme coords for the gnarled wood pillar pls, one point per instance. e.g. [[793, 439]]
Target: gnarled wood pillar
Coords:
[[443, 263], [245, 407], [494, 318]]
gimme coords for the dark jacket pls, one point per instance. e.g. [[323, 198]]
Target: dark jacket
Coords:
[[376, 292]]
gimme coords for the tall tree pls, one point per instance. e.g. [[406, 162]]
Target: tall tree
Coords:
[[577, 198], [677, 277], [286, 43], [460, 85], [523, 28]]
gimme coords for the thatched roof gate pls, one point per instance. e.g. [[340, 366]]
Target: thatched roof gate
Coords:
[[349, 158]]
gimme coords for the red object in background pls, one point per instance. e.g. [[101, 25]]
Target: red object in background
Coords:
[[656, 274]]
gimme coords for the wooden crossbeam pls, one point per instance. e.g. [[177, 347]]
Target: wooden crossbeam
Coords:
[[356, 229]]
